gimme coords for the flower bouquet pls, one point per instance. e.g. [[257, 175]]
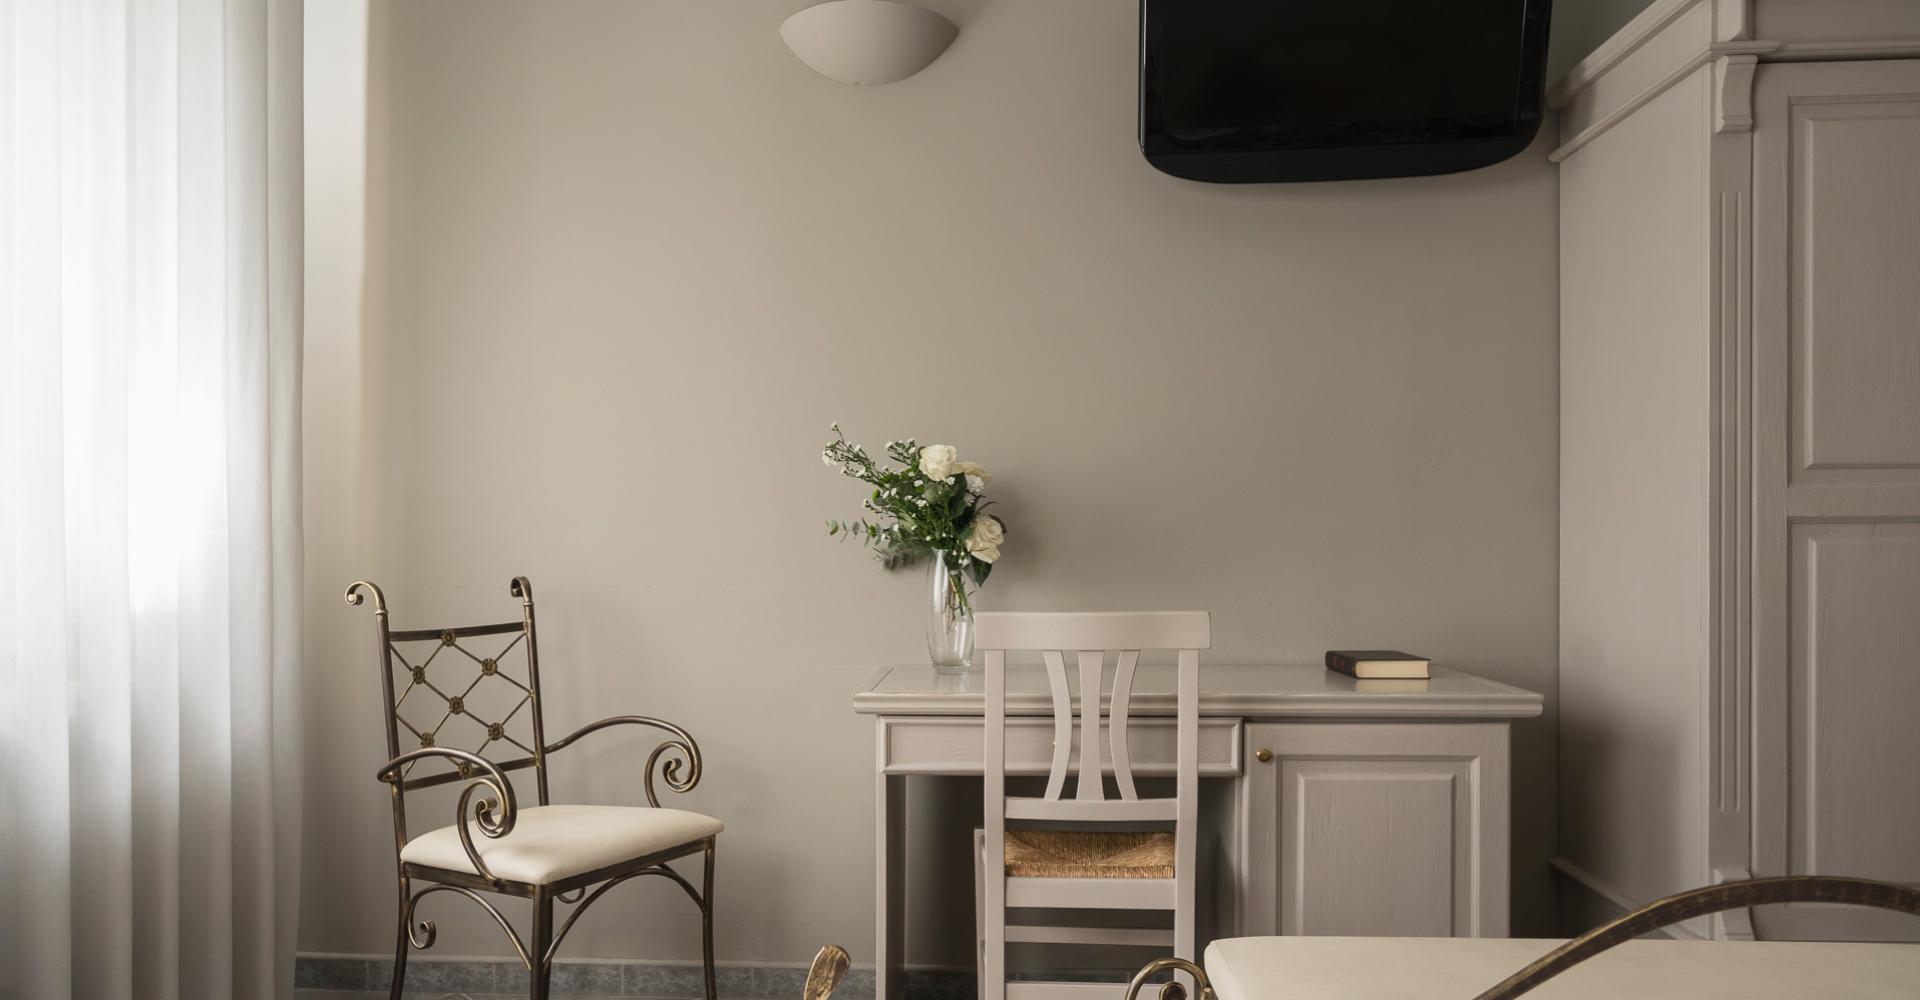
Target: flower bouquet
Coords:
[[926, 505]]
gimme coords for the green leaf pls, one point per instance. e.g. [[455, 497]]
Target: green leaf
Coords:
[[979, 570]]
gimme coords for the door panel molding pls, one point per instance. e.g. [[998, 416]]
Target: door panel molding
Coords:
[[1830, 470]]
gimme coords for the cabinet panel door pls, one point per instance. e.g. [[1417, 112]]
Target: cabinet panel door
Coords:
[[1854, 736], [1376, 829], [1855, 325], [1836, 597]]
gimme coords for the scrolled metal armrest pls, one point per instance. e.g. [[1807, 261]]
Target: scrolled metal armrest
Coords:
[[492, 825], [1171, 990], [1700, 902], [686, 752]]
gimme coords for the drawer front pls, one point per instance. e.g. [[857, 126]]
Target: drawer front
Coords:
[[940, 745]]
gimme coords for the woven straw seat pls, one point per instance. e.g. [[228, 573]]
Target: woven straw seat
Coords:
[[1089, 854]]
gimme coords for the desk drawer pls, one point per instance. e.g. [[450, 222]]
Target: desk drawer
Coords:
[[957, 745]]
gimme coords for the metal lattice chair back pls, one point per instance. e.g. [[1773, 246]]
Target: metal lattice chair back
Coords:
[[463, 705], [473, 687]]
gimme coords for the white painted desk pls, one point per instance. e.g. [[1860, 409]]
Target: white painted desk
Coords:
[[1354, 807], [1360, 968]]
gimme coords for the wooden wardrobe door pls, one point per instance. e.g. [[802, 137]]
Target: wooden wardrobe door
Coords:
[[1836, 641]]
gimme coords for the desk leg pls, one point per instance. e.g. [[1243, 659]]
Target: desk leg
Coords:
[[889, 876]]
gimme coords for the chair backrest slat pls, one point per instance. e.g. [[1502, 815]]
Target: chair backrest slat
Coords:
[[1122, 695], [1090, 787], [1114, 811], [1062, 722], [1077, 630]]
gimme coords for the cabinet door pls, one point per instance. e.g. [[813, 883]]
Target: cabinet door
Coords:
[[1377, 829], [1836, 650]]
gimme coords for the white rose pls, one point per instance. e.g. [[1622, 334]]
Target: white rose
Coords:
[[984, 538], [936, 460], [977, 477]]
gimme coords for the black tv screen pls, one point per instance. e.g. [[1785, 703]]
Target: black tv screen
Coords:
[[1251, 90]]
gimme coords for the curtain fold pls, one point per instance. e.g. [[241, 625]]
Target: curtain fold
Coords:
[[150, 282]]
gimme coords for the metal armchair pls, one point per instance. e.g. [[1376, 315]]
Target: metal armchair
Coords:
[[1653, 916], [568, 854], [1700, 902]]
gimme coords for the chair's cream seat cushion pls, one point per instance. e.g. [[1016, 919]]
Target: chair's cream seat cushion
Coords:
[[550, 843]]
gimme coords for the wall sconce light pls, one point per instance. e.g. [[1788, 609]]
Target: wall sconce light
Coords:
[[867, 41]]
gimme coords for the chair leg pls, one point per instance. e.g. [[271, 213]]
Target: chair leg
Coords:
[[993, 959], [400, 945], [706, 925], [1185, 933], [979, 915], [539, 977]]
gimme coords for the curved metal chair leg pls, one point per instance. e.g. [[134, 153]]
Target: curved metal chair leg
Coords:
[[1700, 902], [706, 924], [1171, 990], [400, 944]]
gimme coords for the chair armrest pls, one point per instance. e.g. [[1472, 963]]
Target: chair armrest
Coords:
[[1700, 902], [492, 825], [1171, 990], [686, 752], [823, 977]]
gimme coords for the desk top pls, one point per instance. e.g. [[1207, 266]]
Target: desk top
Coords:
[[1335, 968], [1275, 691]]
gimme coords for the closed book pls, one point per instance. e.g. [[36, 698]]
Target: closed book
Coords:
[[1370, 664], [1391, 685]]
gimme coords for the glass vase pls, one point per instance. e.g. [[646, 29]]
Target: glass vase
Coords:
[[949, 616]]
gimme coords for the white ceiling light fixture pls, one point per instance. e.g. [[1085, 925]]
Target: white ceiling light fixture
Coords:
[[867, 41]]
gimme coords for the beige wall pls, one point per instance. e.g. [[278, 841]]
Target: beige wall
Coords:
[[1581, 25], [625, 262]]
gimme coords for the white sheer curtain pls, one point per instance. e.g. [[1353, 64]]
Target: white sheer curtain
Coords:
[[149, 497]]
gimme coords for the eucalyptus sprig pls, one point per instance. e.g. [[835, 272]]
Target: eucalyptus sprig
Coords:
[[924, 500]]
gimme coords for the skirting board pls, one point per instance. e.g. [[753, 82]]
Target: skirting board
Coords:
[[676, 981], [1614, 902]]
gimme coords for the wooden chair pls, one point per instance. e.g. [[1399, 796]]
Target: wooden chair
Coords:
[[458, 685], [1107, 868], [1651, 917]]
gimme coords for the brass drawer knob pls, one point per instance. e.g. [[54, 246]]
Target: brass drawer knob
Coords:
[[1263, 755]]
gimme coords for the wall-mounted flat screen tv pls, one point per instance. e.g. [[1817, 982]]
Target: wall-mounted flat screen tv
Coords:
[[1302, 90]]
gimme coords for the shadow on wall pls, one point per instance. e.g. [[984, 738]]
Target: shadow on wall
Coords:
[[1578, 906]]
